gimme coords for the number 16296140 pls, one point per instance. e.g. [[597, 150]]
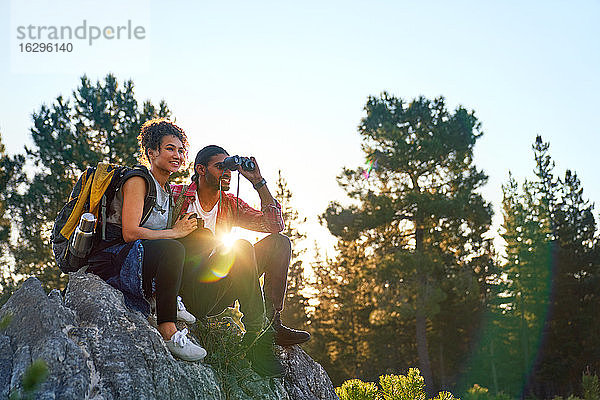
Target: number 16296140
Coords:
[[46, 47]]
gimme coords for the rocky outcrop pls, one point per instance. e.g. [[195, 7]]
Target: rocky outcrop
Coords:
[[96, 348]]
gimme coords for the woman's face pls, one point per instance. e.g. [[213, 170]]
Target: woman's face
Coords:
[[170, 156]]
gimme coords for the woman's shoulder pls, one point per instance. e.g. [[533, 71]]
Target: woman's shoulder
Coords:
[[135, 182]]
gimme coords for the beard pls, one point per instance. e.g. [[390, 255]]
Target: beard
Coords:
[[213, 181]]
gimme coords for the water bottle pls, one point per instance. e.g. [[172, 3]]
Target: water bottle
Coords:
[[81, 241]]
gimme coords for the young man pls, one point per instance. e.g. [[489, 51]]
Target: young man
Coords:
[[205, 294]]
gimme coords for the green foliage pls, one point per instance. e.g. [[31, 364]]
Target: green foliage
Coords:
[[35, 374], [400, 387], [551, 263], [411, 245], [294, 313], [591, 387], [10, 179], [356, 389], [5, 321], [444, 396], [481, 393], [391, 387], [99, 123], [221, 337]]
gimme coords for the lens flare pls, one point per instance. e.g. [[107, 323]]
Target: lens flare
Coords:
[[227, 241], [372, 164], [218, 265], [216, 268]]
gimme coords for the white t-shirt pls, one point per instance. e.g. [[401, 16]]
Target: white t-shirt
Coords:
[[209, 217]]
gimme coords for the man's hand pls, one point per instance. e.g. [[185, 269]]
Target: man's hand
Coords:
[[253, 176]]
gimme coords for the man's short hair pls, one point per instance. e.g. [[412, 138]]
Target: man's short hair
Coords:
[[207, 152], [204, 155]]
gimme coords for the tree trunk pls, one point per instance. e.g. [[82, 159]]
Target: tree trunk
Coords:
[[442, 383], [421, 320], [494, 375], [422, 351]]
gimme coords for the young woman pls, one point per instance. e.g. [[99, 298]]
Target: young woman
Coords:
[[148, 261]]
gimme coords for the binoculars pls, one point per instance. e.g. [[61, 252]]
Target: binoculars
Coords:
[[233, 163]]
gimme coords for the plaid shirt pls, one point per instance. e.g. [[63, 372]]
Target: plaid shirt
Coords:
[[268, 220]]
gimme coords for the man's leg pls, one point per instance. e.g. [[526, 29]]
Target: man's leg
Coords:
[[211, 286], [200, 296], [245, 285], [273, 254]]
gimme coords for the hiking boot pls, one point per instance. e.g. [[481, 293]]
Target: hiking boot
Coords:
[[181, 347], [183, 314], [261, 354], [285, 336]]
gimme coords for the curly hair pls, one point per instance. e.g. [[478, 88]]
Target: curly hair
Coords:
[[152, 133]]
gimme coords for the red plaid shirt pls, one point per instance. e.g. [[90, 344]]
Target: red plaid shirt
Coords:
[[268, 220]]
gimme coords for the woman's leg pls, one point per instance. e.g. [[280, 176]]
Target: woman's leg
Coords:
[[163, 264]]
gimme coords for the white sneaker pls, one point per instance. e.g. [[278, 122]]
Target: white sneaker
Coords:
[[180, 346], [183, 314]]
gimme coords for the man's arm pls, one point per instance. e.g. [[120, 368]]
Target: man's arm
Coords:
[[270, 218], [257, 180]]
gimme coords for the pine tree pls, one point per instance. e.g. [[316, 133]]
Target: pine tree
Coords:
[[100, 123], [350, 337], [419, 213], [528, 269], [294, 313], [9, 181], [547, 323], [571, 334]]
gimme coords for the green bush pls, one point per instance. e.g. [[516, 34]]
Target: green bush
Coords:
[[400, 387], [355, 389], [391, 387], [481, 393], [591, 387]]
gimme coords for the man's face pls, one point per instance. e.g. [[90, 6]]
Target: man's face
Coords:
[[212, 173]]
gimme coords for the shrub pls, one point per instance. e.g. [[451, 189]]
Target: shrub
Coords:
[[591, 387], [355, 389], [400, 387], [392, 387]]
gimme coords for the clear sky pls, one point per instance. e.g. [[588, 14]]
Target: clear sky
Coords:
[[287, 81]]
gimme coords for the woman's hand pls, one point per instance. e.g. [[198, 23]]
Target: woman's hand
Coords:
[[185, 225]]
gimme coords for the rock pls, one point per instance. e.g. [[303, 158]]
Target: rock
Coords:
[[97, 348]]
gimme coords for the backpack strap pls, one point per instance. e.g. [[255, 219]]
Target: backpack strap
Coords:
[[81, 192], [104, 179], [176, 208], [150, 200]]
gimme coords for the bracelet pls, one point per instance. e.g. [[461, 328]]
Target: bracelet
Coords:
[[260, 184]]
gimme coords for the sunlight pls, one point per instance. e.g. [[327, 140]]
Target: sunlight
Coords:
[[227, 241]]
